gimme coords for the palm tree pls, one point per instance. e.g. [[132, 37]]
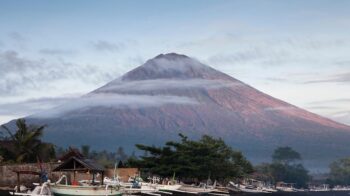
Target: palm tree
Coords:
[[26, 141]]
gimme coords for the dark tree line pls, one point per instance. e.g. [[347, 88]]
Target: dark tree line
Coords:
[[207, 157], [105, 158]]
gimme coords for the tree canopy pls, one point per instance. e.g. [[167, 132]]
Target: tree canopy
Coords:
[[194, 159], [340, 172], [24, 144], [285, 155], [284, 167]]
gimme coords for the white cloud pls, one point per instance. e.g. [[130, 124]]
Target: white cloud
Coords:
[[165, 84], [21, 75], [279, 108], [114, 101], [32, 106], [103, 45], [56, 51]]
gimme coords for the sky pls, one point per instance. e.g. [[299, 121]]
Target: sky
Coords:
[[54, 51]]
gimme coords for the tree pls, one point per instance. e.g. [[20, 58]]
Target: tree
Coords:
[[25, 144], [85, 150], [120, 155], [285, 155], [120, 164], [284, 167], [194, 159], [295, 173], [340, 172]]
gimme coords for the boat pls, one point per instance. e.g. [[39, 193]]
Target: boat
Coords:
[[202, 189], [166, 185], [85, 190], [285, 187], [250, 186], [319, 188], [137, 185], [40, 189], [86, 187]]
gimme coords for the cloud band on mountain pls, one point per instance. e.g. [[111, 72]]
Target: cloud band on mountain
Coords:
[[166, 84], [113, 101]]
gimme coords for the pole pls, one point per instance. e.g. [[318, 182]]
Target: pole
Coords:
[[18, 182], [102, 177]]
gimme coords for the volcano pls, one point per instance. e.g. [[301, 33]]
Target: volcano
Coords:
[[172, 94]]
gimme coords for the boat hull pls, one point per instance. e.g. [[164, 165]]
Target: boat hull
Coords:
[[65, 190]]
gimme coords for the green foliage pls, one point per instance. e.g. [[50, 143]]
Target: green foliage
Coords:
[[285, 155], [121, 155], [340, 172], [85, 150], [284, 168], [295, 173], [120, 164], [25, 144], [194, 159], [263, 172], [105, 158]]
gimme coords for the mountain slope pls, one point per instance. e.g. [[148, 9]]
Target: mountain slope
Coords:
[[173, 93]]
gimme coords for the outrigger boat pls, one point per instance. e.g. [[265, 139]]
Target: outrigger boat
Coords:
[[250, 186], [82, 188], [41, 189], [136, 184]]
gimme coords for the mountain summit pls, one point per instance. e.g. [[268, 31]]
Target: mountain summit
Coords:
[[172, 66], [174, 93]]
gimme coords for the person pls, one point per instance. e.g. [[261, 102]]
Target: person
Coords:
[[44, 176]]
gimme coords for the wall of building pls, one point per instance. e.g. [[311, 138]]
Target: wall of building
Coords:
[[9, 178]]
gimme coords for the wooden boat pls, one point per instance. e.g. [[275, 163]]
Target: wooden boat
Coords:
[[64, 190]]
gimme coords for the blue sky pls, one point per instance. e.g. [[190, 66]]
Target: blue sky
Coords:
[[297, 51]]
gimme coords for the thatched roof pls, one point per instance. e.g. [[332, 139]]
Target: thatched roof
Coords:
[[72, 152], [80, 165]]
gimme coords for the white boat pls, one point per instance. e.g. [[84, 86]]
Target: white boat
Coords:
[[269, 189], [202, 189], [39, 190], [162, 187], [85, 190], [86, 187], [137, 185], [285, 187], [251, 186], [319, 188], [341, 188]]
